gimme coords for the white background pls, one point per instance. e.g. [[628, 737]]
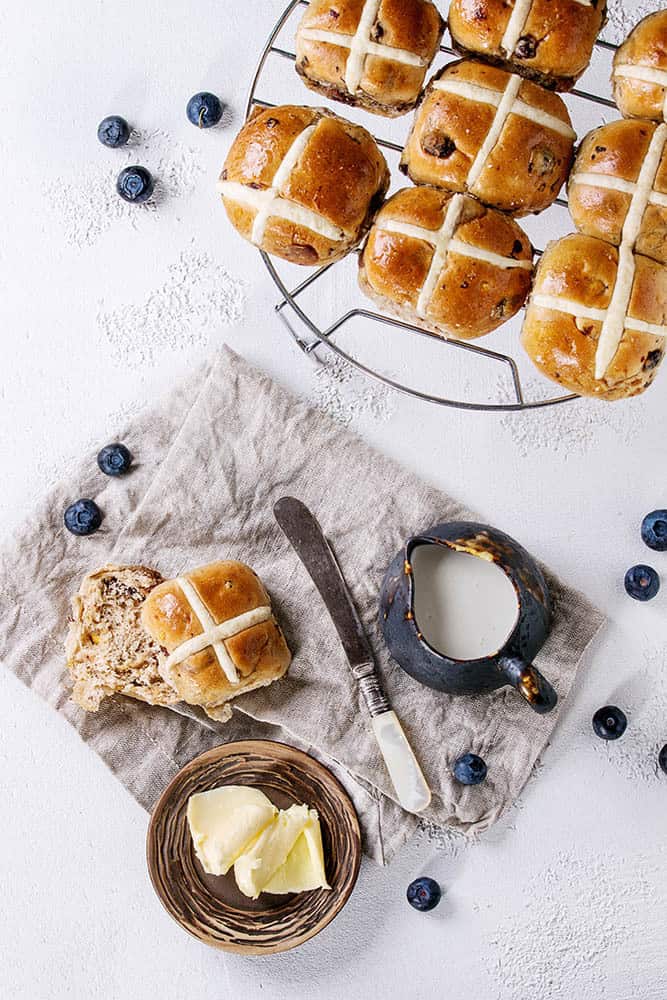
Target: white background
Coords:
[[102, 306]]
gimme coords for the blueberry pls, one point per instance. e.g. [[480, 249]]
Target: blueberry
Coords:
[[135, 184], [204, 110], [662, 758], [424, 894], [470, 769], [642, 583], [654, 530], [113, 131], [114, 460], [83, 517], [609, 723]]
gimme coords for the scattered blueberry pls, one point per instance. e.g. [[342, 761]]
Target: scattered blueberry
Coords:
[[135, 184], [114, 460], [470, 769], [642, 583], [204, 110], [654, 530], [662, 758], [83, 517], [609, 723], [424, 894], [113, 131]]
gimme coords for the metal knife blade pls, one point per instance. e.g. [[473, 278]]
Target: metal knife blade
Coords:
[[309, 542], [312, 547]]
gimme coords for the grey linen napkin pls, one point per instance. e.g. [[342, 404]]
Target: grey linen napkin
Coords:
[[212, 459]]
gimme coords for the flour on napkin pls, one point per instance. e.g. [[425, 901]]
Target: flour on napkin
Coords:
[[212, 460]]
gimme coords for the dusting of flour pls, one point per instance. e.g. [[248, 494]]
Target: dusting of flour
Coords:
[[49, 465], [346, 394], [573, 428], [643, 698], [86, 204], [624, 15], [554, 943], [197, 296], [443, 838]]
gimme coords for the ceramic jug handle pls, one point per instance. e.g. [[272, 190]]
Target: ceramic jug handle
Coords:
[[530, 683]]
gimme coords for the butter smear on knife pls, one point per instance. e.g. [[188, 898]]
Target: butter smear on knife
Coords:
[[271, 851]]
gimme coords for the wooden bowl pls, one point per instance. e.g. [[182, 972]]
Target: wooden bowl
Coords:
[[211, 907]]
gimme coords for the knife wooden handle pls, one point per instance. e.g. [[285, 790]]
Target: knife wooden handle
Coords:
[[406, 775]]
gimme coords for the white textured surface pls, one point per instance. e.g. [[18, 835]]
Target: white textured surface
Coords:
[[102, 306]]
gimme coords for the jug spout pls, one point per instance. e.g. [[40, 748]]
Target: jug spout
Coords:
[[530, 683]]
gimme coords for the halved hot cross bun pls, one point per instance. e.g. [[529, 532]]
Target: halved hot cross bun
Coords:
[[639, 76], [108, 650], [618, 186], [446, 263], [550, 41], [303, 183], [373, 54], [491, 134], [597, 318], [220, 634]]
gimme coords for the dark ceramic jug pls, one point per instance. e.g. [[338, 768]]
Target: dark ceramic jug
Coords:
[[509, 665]]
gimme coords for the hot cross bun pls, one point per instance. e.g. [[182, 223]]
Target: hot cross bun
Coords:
[[549, 41], [370, 53], [597, 318], [446, 263], [620, 174], [219, 632], [639, 76], [303, 183], [487, 132]]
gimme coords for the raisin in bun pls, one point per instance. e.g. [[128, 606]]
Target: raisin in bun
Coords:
[[639, 76], [303, 183], [597, 318], [550, 41], [487, 132], [220, 634], [108, 649], [446, 263], [621, 170], [373, 54]]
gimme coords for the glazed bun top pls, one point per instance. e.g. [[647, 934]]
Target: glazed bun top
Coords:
[[639, 76], [303, 183], [621, 173], [446, 262], [489, 133], [218, 628], [597, 317], [370, 52], [550, 41]]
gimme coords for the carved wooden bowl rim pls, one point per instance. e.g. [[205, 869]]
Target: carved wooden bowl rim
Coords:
[[181, 885]]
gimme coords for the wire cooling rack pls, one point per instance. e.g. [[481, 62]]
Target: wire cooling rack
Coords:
[[313, 336]]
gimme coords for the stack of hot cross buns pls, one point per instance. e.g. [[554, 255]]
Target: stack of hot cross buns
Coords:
[[491, 141], [597, 317]]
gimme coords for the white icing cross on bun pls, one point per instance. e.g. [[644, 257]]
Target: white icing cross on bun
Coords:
[[444, 241], [361, 45], [612, 183], [617, 313], [213, 634], [518, 20], [271, 203], [645, 74], [615, 319], [507, 103]]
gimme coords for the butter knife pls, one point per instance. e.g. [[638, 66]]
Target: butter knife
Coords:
[[308, 541]]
